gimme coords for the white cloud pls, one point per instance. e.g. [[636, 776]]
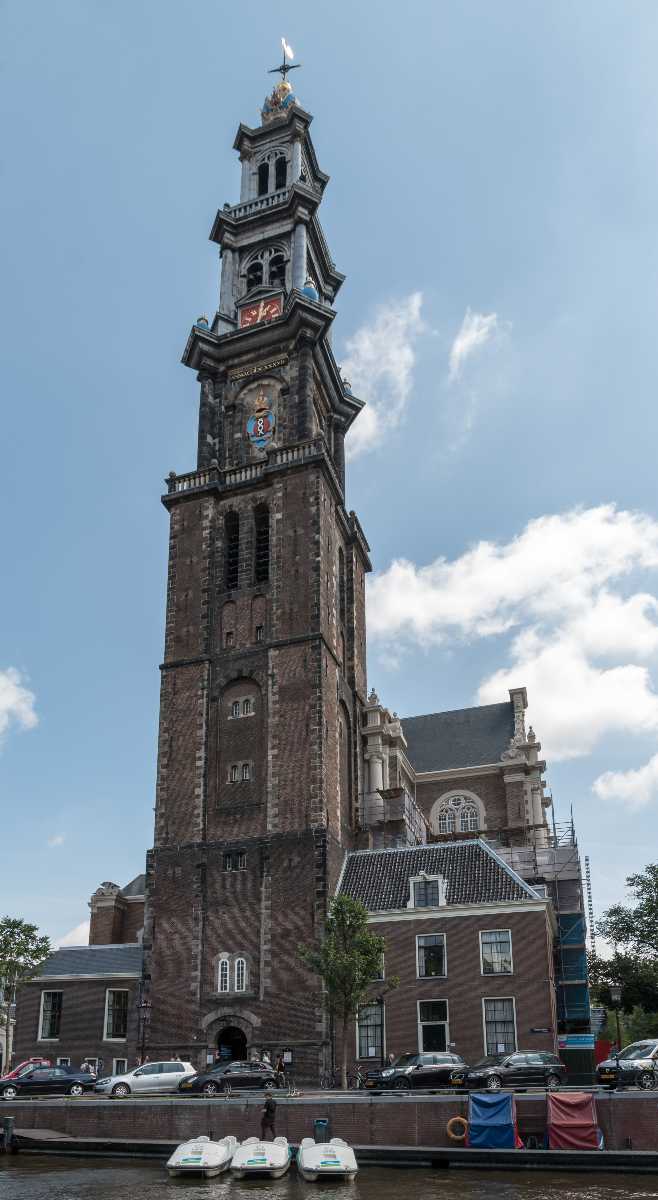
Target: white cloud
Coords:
[[475, 331], [379, 364], [581, 646], [634, 788], [57, 839], [16, 702], [79, 936]]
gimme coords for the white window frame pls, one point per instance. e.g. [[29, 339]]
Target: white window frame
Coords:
[[382, 970], [433, 933], [240, 962], [496, 974], [245, 772], [433, 1000], [93, 1063], [370, 1058], [106, 1038], [234, 773], [248, 707], [484, 1022], [442, 882], [64, 1062], [223, 962], [115, 1068], [235, 705], [242, 860], [49, 991]]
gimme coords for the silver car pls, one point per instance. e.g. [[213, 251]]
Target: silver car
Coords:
[[142, 1081]]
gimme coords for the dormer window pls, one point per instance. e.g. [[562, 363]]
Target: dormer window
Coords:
[[427, 891], [264, 178], [280, 173]]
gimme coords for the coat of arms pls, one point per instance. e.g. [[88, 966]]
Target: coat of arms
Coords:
[[260, 425]]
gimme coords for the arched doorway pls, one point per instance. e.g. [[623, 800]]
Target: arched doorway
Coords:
[[231, 1043]]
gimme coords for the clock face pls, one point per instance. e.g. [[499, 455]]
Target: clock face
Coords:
[[263, 310]]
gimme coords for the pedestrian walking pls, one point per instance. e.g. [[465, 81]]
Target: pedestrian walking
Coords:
[[280, 1071], [268, 1115]]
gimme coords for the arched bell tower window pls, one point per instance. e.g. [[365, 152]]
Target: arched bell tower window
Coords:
[[263, 178], [254, 274], [277, 270], [280, 173], [261, 543], [231, 550]]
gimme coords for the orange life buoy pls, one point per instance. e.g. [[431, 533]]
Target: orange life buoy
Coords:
[[450, 1129]]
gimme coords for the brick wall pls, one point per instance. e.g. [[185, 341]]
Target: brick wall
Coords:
[[489, 788], [82, 1022]]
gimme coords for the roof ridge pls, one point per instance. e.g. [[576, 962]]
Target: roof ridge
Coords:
[[422, 846], [446, 712]]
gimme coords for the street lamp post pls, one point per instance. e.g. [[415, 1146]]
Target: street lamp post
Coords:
[[144, 1009], [615, 996]]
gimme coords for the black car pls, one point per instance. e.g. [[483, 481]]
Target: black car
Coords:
[[48, 1081], [226, 1076], [635, 1065], [523, 1069], [418, 1071]]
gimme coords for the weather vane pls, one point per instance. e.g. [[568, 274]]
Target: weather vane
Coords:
[[286, 66]]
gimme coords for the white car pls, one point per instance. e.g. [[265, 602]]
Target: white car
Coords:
[[152, 1077]]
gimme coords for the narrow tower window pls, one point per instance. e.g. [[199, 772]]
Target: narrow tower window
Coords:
[[240, 974], [223, 975], [254, 275], [231, 550], [261, 543], [263, 179], [277, 270], [280, 172], [341, 585]]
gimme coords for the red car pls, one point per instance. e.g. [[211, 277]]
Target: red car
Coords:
[[23, 1066]]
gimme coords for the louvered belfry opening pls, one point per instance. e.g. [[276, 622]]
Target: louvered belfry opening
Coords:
[[261, 544], [231, 550]]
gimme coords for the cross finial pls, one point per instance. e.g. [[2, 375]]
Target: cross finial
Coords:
[[288, 53]]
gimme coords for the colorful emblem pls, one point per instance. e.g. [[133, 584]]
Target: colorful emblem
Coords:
[[260, 427]]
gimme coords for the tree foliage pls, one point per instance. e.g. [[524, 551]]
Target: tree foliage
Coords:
[[22, 951], [638, 980], [348, 960], [634, 928]]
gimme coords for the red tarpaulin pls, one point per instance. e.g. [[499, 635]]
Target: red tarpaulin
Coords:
[[572, 1121]]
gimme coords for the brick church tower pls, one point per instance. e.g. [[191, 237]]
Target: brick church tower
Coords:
[[264, 671]]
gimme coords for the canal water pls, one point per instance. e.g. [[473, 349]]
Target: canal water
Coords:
[[25, 1177]]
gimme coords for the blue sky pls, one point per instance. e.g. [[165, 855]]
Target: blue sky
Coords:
[[493, 198]]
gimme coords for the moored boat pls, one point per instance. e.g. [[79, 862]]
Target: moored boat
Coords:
[[202, 1156], [253, 1158], [326, 1160]]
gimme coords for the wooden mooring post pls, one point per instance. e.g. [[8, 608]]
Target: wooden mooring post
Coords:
[[8, 1143]]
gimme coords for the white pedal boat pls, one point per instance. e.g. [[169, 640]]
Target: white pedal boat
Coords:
[[253, 1158], [326, 1160], [201, 1156]]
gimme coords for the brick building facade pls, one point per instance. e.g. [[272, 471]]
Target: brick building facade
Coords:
[[274, 763]]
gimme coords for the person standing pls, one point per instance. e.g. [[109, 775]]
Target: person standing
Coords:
[[268, 1114], [280, 1072]]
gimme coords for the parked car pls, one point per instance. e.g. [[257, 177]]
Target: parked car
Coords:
[[523, 1069], [47, 1081], [151, 1077], [417, 1071], [635, 1065], [26, 1065], [230, 1075]]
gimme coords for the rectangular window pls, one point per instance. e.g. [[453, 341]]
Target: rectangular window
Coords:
[[379, 972], [245, 772], [496, 951], [228, 639], [426, 893], [51, 1016], [242, 861], [499, 1025], [370, 1031], [116, 1014], [432, 1025], [228, 862], [431, 955], [260, 633], [120, 1066], [63, 1062], [234, 773]]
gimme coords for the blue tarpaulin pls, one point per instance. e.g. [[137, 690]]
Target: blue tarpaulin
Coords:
[[492, 1121]]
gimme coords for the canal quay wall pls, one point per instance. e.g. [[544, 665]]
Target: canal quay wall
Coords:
[[629, 1121]]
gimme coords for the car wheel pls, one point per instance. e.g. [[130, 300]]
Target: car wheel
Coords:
[[646, 1081], [553, 1082], [210, 1088], [9, 1093], [494, 1083], [402, 1085], [121, 1089], [76, 1089]]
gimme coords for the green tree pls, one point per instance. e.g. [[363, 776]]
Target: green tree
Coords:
[[634, 928], [22, 951], [348, 960], [633, 965]]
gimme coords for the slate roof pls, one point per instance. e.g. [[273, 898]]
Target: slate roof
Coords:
[[465, 737], [473, 874], [94, 960], [135, 887]]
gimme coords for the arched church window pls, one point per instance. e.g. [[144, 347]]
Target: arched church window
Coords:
[[277, 271], [254, 274], [280, 173], [447, 821], [456, 813], [231, 550], [263, 179], [223, 975], [261, 543], [240, 974], [469, 819]]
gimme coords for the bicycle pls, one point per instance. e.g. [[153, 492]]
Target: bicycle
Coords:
[[331, 1080]]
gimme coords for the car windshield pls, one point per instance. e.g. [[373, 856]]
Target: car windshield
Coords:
[[637, 1050], [405, 1060], [492, 1060]]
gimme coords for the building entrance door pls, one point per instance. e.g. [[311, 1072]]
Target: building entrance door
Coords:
[[231, 1044]]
